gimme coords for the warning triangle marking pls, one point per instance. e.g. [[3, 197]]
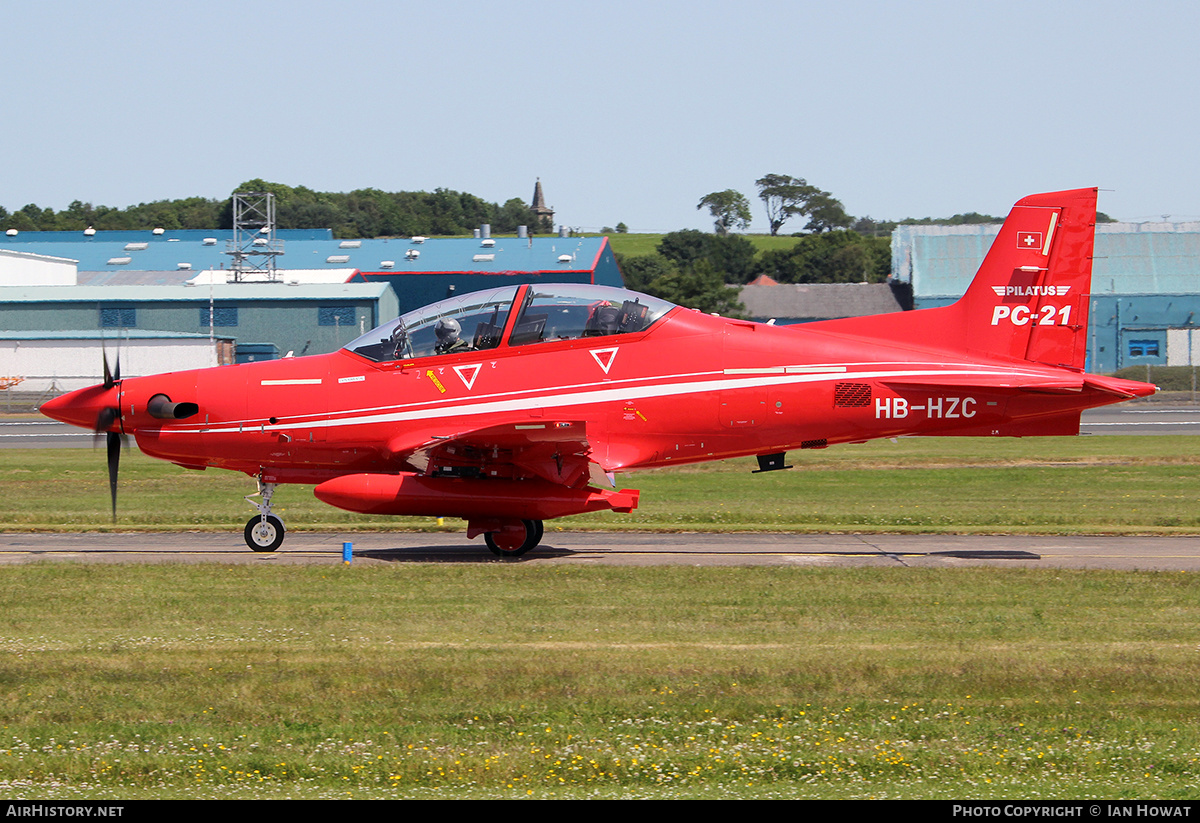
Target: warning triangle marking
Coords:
[[604, 357], [463, 371]]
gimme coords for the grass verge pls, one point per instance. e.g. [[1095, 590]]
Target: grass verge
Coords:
[[520, 681], [1144, 485]]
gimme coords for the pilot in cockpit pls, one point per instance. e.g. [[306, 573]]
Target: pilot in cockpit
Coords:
[[449, 336]]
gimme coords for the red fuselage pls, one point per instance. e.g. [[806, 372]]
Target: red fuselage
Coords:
[[693, 387]]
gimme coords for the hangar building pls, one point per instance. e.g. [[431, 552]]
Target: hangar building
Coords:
[[48, 363], [420, 271], [327, 293], [1145, 302], [265, 319]]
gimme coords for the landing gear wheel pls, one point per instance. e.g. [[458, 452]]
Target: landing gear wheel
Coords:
[[264, 535], [516, 540]]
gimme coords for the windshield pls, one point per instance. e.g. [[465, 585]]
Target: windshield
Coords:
[[476, 321], [472, 322], [567, 312]]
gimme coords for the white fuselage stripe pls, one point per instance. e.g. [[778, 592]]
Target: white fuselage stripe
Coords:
[[530, 399]]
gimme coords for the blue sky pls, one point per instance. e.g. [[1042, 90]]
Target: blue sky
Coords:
[[627, 111]]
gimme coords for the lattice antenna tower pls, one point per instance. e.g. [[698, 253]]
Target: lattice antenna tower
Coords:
[[254, 246]]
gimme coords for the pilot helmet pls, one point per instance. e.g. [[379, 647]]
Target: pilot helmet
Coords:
[[447, 329]]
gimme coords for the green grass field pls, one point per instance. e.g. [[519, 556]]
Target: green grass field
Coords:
[[529, 681], [513, 680], [1148, 485], [634, 245]]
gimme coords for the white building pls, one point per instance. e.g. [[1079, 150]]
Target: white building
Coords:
[[20, 268], [57, 362]]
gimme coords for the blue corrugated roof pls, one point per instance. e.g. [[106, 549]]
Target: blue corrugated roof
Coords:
[[1130, 258], [168, 251]]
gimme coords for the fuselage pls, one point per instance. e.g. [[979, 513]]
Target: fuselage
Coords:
[[691, 387]]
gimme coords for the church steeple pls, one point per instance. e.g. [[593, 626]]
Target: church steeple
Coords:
[[544, 213]]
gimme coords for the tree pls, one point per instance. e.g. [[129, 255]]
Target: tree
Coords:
[[694, 283], [684, 246], [830, 257], [21, 221], [78, 216], [360, 213], [970, 218], [730, 210], [640, 271], [826, 213], [731, 256], [872, 227], [785, 197], [39, 219], [698, 286], [515, 212]]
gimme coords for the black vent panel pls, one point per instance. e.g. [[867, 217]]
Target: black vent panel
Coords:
[[851, 395]]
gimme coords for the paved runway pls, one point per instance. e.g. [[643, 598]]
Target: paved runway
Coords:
[[630, 549], [1144, 418], [37, 432]]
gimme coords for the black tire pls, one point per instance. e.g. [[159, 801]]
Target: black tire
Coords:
[[264, 536], [506, 546]]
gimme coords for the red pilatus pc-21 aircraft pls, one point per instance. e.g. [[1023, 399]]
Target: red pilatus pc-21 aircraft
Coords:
[[516, 405]]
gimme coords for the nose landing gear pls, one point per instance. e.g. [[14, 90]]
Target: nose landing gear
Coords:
[[265, 532]]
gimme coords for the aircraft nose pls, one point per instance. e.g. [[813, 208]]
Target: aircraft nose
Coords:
[[94, 408]]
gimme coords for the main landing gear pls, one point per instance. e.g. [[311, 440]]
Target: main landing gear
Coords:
[[516, 538], [508, 538], [264, 532]]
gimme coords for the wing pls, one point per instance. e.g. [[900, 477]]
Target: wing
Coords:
[[553, 450]]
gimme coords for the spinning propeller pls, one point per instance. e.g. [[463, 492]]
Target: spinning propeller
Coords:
[[105, 418]]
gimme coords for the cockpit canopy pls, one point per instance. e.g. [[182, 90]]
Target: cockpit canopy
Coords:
[[476, 321]]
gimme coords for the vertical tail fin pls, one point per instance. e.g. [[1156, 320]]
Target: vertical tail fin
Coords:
[[1029, 299]]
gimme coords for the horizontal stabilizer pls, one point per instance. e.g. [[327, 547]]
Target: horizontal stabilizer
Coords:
[[1056, 384], [1119, 387], [1034, 383]]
